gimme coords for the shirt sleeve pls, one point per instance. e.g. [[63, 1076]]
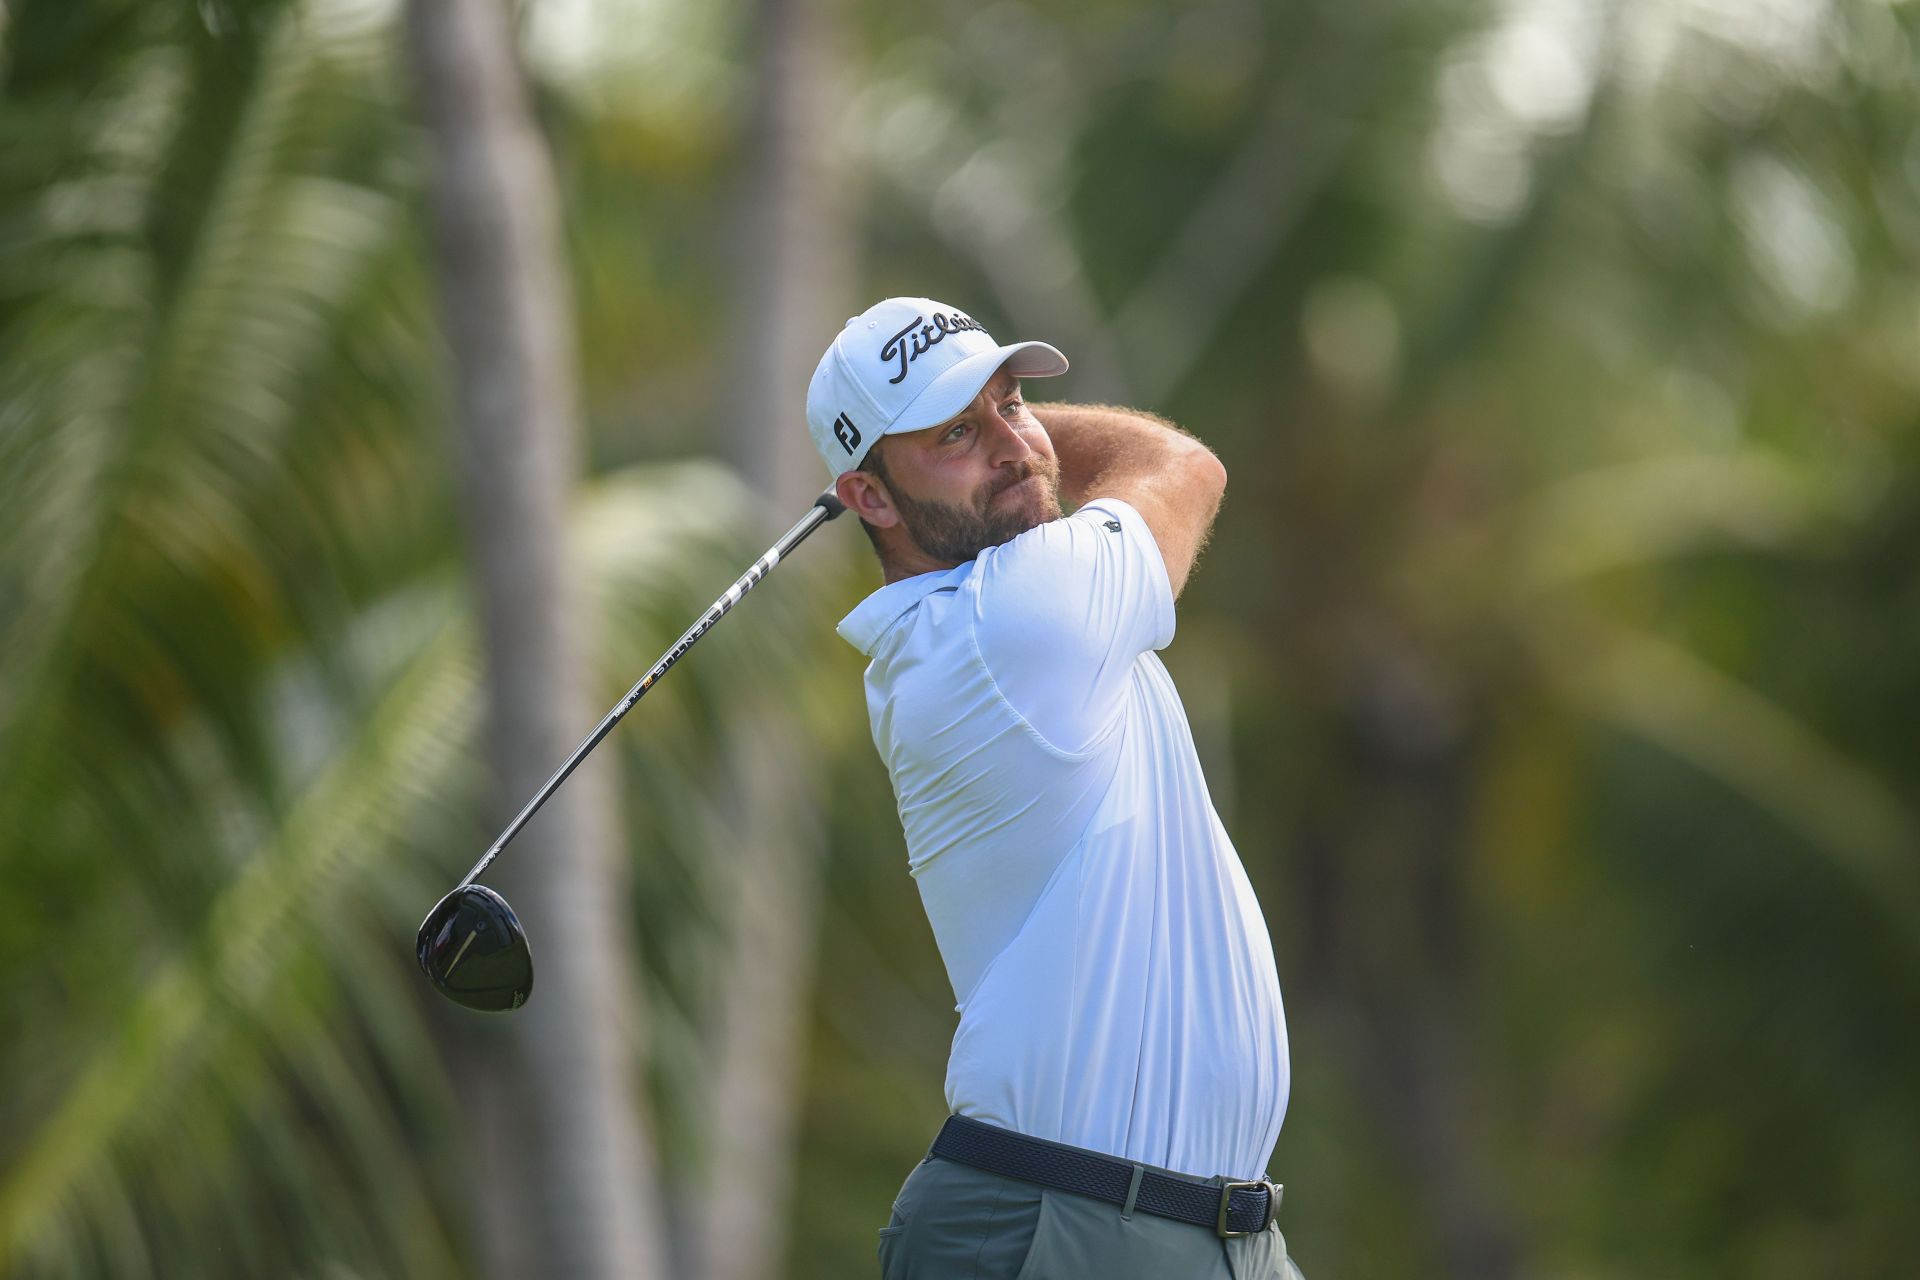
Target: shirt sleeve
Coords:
[[1064, 611]]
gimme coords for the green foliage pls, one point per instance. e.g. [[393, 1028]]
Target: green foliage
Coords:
[[239, 707]]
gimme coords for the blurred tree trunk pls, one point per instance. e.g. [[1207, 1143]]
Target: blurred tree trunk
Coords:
[[508, 317], [794, 250], [791, 294], [1387, 861]]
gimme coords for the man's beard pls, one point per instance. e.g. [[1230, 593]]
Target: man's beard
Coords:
[[956, 533]]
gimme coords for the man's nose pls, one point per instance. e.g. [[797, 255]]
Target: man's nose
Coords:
[[1008, 444]]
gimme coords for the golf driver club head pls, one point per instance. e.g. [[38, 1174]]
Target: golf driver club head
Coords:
[[472, 948]]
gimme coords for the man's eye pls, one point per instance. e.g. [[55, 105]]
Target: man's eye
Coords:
[[956, 431]]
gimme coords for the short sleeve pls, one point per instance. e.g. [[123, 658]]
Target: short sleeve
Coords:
[[1065, 610]]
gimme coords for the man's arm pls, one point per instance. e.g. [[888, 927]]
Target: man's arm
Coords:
[[1170, 478]]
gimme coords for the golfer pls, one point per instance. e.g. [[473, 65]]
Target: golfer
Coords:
[[1120, 1070]]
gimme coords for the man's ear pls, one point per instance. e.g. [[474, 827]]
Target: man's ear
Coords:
[[866, 496]]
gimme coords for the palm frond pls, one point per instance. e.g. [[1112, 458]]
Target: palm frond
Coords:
[[282, 897], [1643, 512], [165, 407], [1653, 689]]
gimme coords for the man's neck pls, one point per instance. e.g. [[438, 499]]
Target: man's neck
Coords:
[[901, 567], [902, 558]]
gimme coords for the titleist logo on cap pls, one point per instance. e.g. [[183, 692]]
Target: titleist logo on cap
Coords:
[[925, 334]]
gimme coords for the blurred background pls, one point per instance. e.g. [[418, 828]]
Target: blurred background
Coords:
[[384, 386]]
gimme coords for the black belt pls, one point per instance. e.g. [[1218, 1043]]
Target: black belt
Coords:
[[1235, 1209]]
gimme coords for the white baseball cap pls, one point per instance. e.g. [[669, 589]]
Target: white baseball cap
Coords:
[[903, 365]]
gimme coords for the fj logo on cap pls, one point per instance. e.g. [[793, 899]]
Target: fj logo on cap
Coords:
[[846, 433], [925, 334]]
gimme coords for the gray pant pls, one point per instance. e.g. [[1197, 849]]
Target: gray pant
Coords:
[[955, 1222]]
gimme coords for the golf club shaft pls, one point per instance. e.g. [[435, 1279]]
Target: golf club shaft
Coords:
[[824, 508]]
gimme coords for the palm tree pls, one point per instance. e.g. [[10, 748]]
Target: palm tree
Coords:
[[793, 257], [507, 313]]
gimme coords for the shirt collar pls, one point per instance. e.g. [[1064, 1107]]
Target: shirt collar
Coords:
[[875, 616]]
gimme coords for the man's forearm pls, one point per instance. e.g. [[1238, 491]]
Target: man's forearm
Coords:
[[1101, 444], [1169, 477]]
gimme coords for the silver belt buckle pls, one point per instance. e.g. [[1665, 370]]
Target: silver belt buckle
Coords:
[[1226, 1202]]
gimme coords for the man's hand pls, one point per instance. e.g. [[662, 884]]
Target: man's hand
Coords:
[[1170, 478]]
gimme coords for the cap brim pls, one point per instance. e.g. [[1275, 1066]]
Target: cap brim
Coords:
[[955, 388]]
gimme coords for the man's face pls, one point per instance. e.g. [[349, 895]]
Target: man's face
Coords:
[[976, 480]]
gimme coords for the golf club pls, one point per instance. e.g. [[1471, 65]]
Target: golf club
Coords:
[[472, 929]]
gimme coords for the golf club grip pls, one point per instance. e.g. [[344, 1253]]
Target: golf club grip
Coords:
[[824, 508]]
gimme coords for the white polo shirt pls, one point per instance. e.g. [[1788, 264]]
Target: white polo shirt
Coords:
[[1115, 979]]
